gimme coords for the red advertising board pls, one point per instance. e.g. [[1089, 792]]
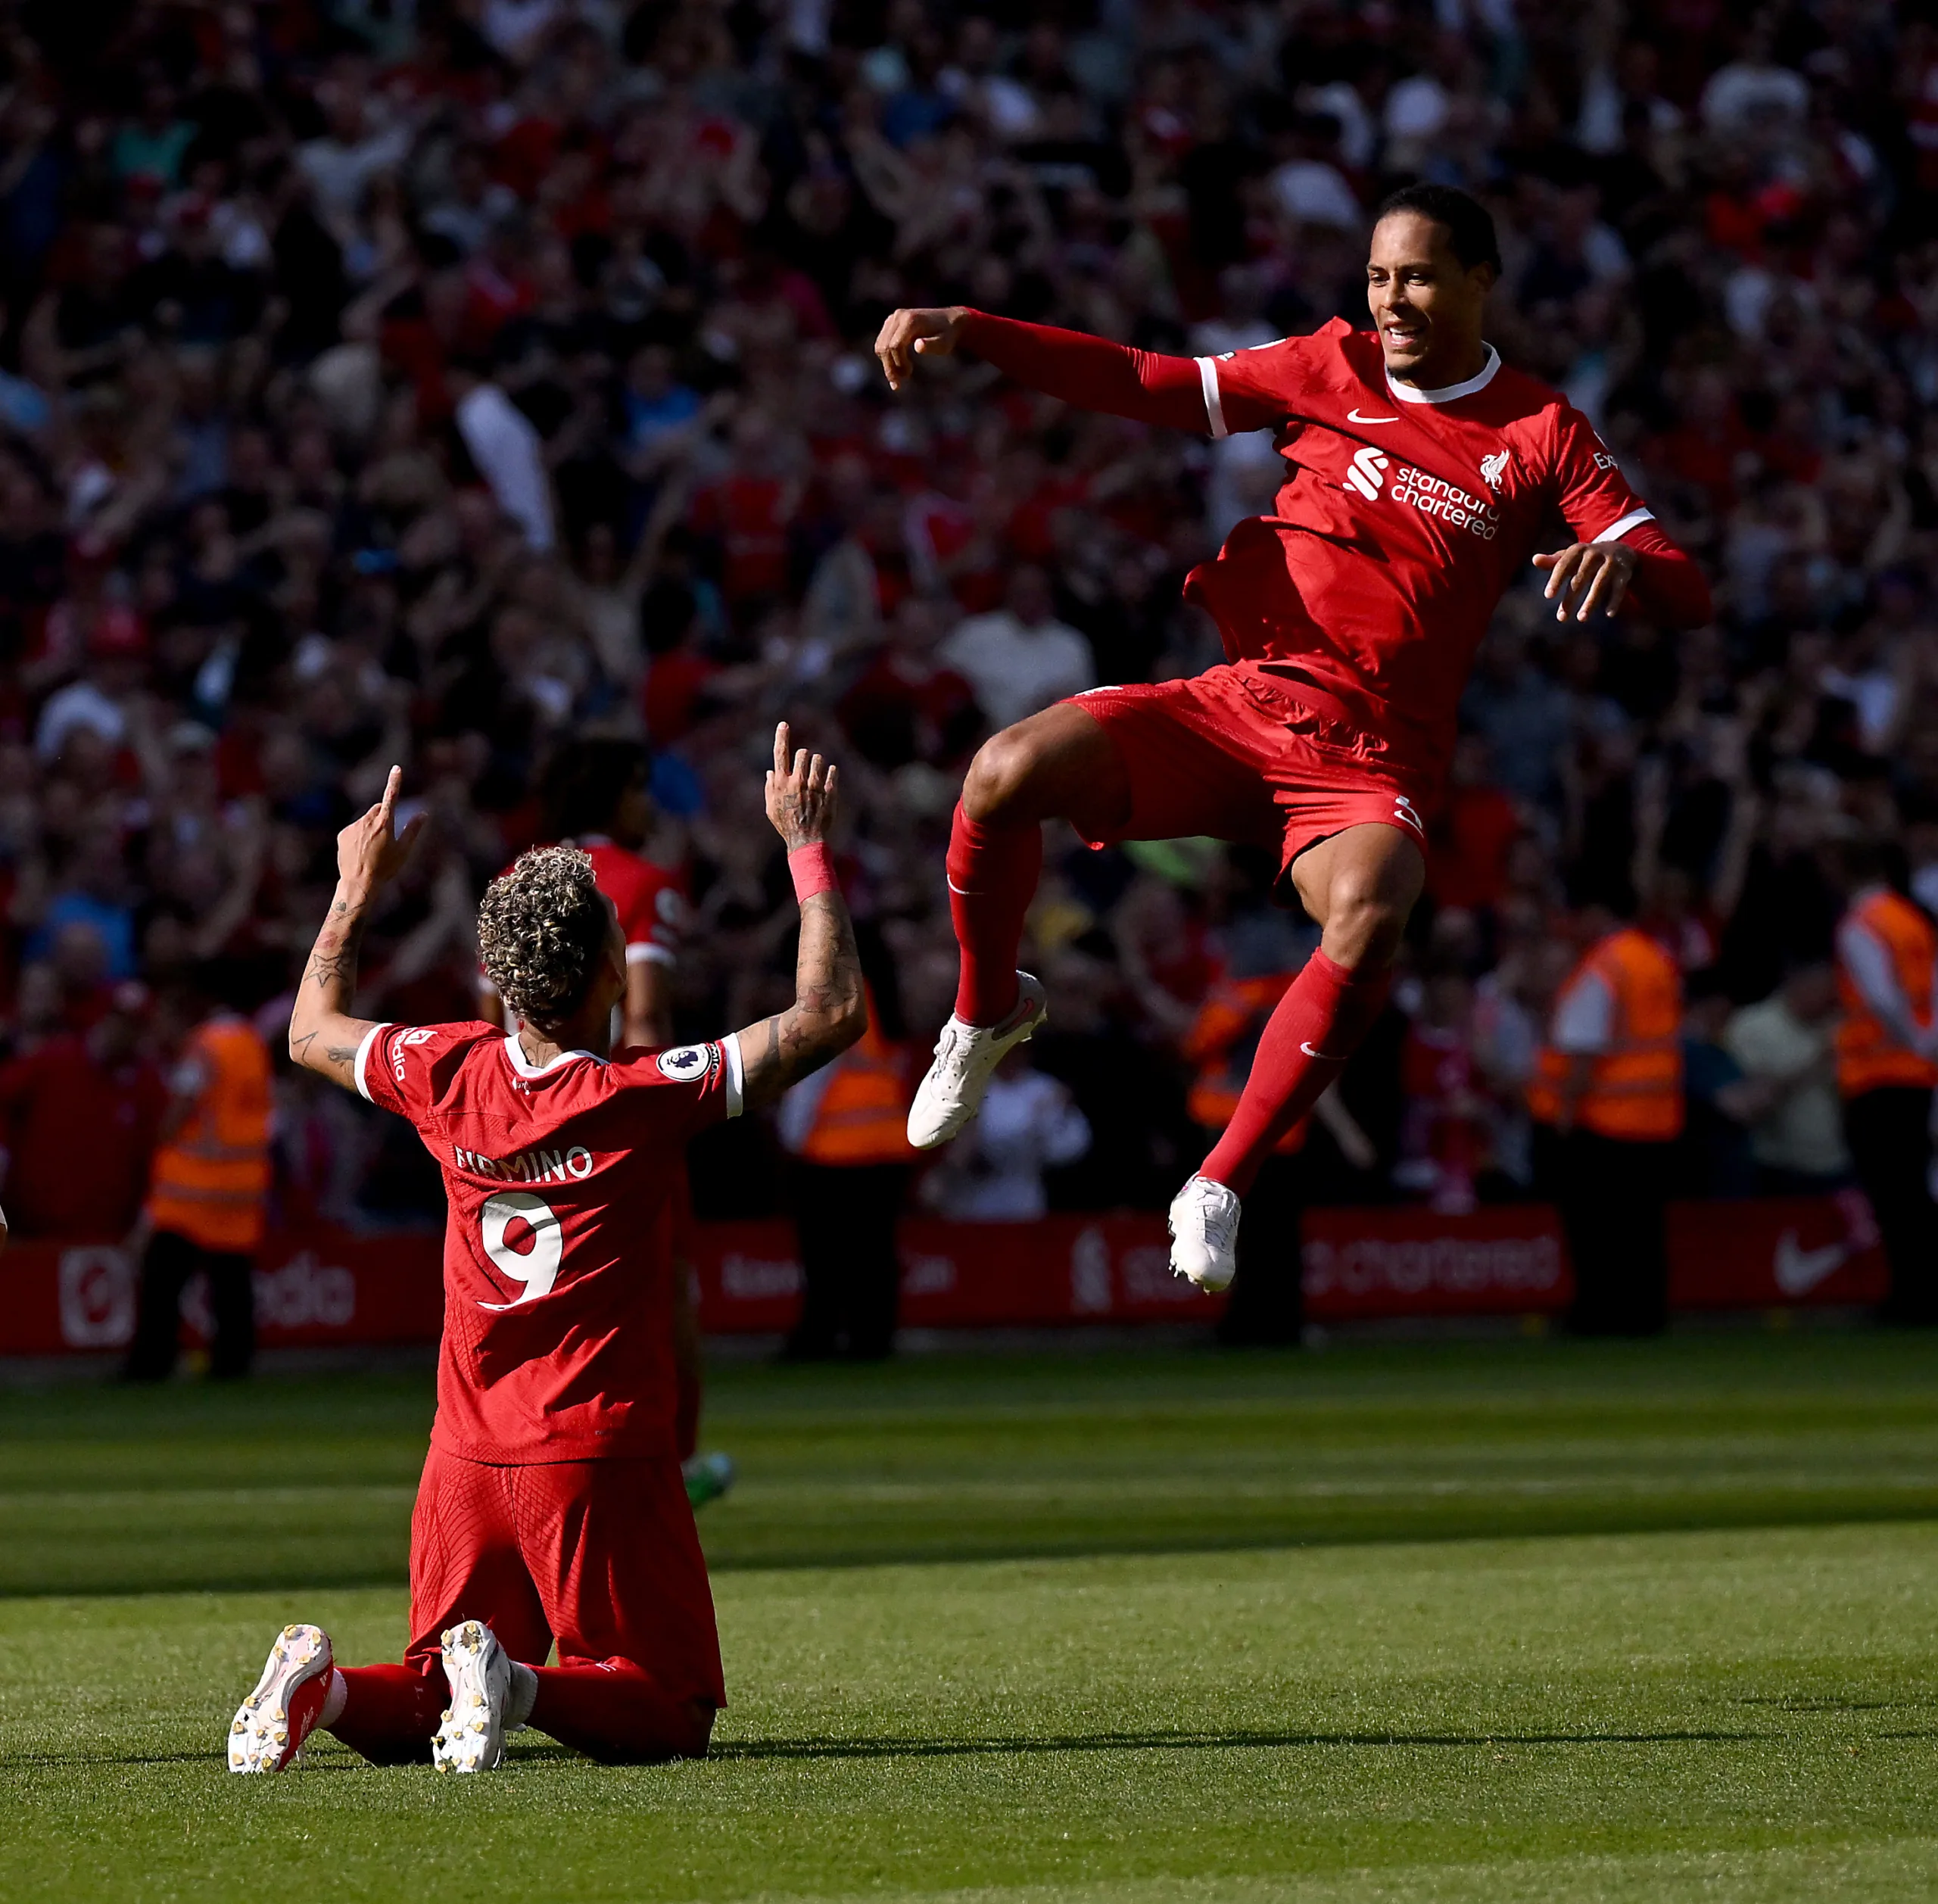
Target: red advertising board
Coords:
[[1776, 1252], [1505, 1259], [334, 1287], [1064, 1269], [322, 1287]]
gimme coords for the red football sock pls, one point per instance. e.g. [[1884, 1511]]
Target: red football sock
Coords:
[[618, 1712], [1315, 1028], [391, 1712], [993, 874]]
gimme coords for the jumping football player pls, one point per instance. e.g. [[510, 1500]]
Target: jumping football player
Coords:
[[1422, 474], [551, 1507]]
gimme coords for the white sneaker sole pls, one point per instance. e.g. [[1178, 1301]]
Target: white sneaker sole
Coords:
[[259, 1737], [471, 1737], [932, 1122]]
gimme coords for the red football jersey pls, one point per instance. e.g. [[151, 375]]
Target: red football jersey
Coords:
[[650, 902], [1406, 515], [558, 1338]]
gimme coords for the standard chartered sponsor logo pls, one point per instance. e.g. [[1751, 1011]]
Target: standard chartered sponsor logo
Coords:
[[1431, 495], [1458, 508], [1367, 471]]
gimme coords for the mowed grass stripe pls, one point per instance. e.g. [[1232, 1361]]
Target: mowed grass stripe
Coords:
[[1740, 1715], [309, 1482]]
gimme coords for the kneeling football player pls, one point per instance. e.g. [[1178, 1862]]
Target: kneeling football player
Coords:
[[551, 1508]]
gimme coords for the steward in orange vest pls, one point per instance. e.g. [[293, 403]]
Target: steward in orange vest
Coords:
[[848, 1128], [1613, 1061], [207, 1190], [1608, 1085], [1886, 951], [1225, 1032], [210, 1178], [861, 1114]]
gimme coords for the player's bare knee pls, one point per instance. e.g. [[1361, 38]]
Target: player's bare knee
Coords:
[[1363, 925], [999, 777]]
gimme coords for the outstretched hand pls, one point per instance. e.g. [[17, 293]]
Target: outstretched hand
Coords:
[[909, 334], [1587, 576], [369, 851], [800, 796]]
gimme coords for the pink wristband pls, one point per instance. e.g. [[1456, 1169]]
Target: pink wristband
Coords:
[[813, 868]]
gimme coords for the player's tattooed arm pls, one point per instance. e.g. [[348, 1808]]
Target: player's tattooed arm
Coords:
[[830, 1010], [323, 1037]]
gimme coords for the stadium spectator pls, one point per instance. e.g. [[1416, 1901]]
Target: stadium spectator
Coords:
[[1020, 657], [1785, 1043], [208, 1186], [845, 1129], [1028, 1123], [1609, 1090], [1887, 1064], [82, 1112]]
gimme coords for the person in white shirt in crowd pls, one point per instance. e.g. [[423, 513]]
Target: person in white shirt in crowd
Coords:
[[505, 445], [1753, 92], [1786, 1044], [1307, 187], [1028, 1123], [1020, 658]]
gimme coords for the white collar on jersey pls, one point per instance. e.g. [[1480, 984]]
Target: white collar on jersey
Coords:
[[1404, 393], [526, 1068]]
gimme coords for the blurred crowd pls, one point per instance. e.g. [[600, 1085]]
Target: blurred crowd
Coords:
[[440, 381]]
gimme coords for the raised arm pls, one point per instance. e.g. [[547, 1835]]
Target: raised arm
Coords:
[[830, 1009], [323, 1036], [1092, 372]]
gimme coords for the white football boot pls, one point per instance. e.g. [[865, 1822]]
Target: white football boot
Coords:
[[949, 1096], [1204, 1234], [479, 1670], [270, 1725]]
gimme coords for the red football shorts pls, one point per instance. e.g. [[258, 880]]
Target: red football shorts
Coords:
[[599, 1555], [1235, 754]]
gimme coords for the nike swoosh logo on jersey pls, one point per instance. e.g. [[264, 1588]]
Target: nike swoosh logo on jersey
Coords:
[[1354, 416], [1328, 1056]]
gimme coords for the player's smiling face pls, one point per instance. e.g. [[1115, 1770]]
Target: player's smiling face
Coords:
[[1426, 305]]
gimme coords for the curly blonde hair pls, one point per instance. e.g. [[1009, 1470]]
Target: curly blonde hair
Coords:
[[542, 928]]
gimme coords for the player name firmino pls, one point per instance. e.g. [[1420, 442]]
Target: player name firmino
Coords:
[[529, 1166]]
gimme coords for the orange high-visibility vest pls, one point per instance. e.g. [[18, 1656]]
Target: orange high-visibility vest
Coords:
[[1544, 1088], [1232, 1008], [211, 1180], [863, 1114], [1869, 1054], [1634, 1087]]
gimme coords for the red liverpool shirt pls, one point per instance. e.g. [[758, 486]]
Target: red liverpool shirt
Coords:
[[1405, 515], [558, 1336], [648, 899]]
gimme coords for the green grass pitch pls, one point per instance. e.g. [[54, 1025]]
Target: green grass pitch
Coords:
[[1515, 1621]]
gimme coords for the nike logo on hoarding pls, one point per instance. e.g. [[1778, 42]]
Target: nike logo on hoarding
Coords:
[[1799, 1270], [1354, 416]]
